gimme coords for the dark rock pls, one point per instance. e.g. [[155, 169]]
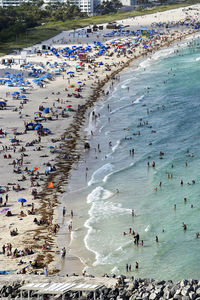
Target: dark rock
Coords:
[[161, 282]]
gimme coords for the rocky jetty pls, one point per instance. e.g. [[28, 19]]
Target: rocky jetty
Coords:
[[120, 288]]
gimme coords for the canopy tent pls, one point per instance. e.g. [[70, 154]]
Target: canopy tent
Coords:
[[60, 288]]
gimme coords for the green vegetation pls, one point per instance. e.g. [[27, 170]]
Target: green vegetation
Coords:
[[19, 25]]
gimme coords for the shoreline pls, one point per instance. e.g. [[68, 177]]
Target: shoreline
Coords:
[[50, 198], [134, 62]]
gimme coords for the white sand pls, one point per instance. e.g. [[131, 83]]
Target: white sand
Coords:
[[13, 121]]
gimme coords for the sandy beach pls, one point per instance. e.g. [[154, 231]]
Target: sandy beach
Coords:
[[47, 96]]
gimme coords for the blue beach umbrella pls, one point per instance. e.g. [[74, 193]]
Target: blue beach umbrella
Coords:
[[51, 147], [47, 130], [37, 127], [21, 200], [46, 110]]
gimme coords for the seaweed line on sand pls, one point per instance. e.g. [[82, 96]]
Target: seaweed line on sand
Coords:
[[49, 198]]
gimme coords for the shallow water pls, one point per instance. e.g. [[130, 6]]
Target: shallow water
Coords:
[[168, 87]]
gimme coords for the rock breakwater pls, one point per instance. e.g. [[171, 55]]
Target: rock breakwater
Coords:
[[120, 288]]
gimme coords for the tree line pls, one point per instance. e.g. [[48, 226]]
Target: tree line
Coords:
[[18, 19]]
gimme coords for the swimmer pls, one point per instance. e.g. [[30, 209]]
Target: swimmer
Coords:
[[160, 184], [181, 182], [185, 200], [174, 206], [136, 265], [184, 226], [156, 239], [133, 213], [117, 191], [197, 235]]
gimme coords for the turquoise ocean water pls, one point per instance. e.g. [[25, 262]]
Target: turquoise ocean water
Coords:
[[168, 87]]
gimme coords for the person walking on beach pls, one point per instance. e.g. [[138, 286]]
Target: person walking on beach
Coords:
[[45, 271], [64, 211]]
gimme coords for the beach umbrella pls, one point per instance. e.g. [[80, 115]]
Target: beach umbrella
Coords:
[[51, 147], [22, 200], [69, 105], [46, 110], [46, 130], [48, 170], [38, 113], [51, 185], [70, 72], [12, 140], [38, 126], [79, 82], [3, 103]]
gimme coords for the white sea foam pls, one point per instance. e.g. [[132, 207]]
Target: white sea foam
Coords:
[[114, 270], [116, 146], [100, 209], [162, 53], [123, 84], [138, 100], [97, 175], [147, 228], [91, 124], [115, 255], [99, 193], [105, 179], [120, 108], [145, 63], [101, 128]]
